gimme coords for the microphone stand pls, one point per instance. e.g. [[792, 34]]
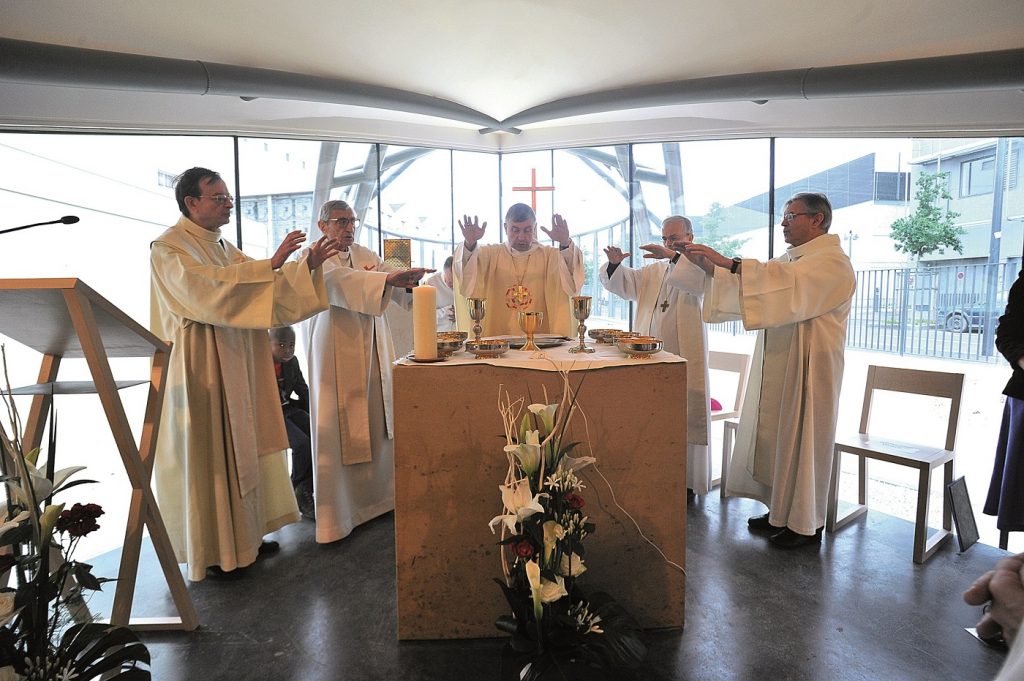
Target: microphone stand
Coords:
[[64, 220]]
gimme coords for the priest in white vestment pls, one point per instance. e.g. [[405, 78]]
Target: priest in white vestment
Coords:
[[800, 302], [350, 353], [521, 274], [444, 296], [220, 468], [668, 294]]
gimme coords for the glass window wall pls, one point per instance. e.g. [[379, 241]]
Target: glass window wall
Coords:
[[921, 300]]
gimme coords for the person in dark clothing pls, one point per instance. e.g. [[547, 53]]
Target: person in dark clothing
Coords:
[[296, 416], [1006, 491]]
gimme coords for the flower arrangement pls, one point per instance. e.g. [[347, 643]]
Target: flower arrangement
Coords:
[[555, 624], [46, 631]]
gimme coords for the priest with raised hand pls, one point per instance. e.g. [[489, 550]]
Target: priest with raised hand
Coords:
[[220, 468], [521, 274], [350, 353], [668, 292], [800, 304]]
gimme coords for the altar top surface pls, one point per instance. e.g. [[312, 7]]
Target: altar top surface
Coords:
[[552, 359]]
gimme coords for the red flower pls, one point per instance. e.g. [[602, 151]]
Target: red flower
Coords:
[[523, 549], [574, 501], [80, 520]]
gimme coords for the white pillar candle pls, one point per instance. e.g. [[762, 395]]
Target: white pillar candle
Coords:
[[424, 322]]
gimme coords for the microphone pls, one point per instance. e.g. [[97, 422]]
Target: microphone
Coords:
[[66, 220]]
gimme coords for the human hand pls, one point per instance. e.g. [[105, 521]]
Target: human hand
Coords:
[[451, 313], [472, 231], [615, 255], [291, 243], [320, 251], [1002, 588], [657, 252], [407, 278], [706, 257], [559, 231]]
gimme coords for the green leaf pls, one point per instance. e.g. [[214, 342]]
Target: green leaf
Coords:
[[85, 578]]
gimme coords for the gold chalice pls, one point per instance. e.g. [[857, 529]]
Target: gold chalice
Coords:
[[581, 310], [529, 322], [477, 309]]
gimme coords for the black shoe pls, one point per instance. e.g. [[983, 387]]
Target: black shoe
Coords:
[[218, 573], [304, 498], [788, 539], [269, 547], [759, 523], [690, 496]]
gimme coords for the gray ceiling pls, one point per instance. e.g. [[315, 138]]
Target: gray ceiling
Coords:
[[592, 72]]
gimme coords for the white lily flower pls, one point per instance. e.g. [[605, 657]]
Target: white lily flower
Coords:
[[552, 591], [576, 463], [571, 566], [520, 504], [40, 485], [527, 453], [546, 413], [552, 533], [533, 576]]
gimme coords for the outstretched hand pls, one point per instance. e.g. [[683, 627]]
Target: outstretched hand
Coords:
[[559, 231], [407, 278], [657, 252], [472, 231], [289, 245], [615, 255], [320, 251], [706, 257]]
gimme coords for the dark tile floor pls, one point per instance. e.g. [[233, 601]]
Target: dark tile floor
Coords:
[[857, 609]]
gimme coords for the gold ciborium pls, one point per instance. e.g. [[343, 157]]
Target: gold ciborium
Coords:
[[477, 309], [581, 310], [529, 322]]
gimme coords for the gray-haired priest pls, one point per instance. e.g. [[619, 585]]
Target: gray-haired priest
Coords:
[[350, 353], [668, 292], [521, 274], [800, 303]]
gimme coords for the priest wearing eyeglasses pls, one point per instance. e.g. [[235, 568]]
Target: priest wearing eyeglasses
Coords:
[[520, 274], [800, 304], [350, 353], [220, 468], [668, 292]]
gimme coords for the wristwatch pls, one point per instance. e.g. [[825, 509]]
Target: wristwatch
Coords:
[[735, 264]]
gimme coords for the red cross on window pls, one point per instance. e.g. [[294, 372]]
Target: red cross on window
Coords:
[[533, 189]]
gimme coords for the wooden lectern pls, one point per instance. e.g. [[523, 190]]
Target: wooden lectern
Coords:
[[65, 318]]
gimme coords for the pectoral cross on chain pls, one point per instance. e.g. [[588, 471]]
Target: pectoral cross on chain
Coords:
[[664, 305]]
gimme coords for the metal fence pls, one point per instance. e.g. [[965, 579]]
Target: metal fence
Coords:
[[948, 311]]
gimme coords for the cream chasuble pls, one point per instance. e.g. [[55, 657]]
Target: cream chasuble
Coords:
[[669, 306], [350, 353], [552, 276], [220, 468], [800, 301]]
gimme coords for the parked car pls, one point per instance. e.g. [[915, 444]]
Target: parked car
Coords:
[[972, 317]]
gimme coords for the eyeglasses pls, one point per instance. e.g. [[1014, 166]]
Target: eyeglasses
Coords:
[[219, 198], [789, 216], [344, 222]]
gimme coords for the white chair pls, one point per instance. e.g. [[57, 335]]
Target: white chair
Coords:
[[738, 363], [923, 458]]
